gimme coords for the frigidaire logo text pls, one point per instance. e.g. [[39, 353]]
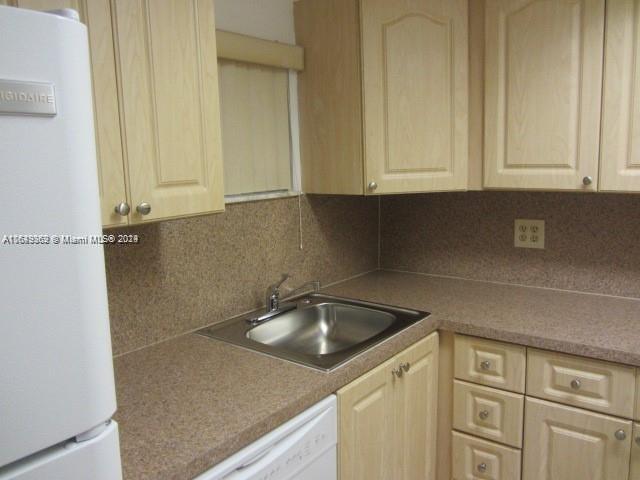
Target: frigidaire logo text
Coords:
[[28, 97]]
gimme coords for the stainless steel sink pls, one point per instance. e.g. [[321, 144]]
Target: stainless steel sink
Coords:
[[321, 331]]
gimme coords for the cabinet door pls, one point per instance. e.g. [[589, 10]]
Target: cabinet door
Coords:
[[620, 156], [543, 72], [415, 81], [416, 408], [634, 472], [366, 429], [171, 121], [566, 443], [96, 15]]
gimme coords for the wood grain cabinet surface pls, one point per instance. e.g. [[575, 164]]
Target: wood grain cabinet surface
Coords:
[[582, 382], [488, 413], [543, 80], [490, 363], [567, 443], [474, 458], [620, 143], [634, 471], [384, 95], [388, 422], [170, 108]]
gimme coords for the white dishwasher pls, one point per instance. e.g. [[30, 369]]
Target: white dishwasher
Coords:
[[304, 448]]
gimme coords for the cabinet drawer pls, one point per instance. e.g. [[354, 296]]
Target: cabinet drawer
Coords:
[[488, 413], [495, 364], [592, 384], [476, 458]]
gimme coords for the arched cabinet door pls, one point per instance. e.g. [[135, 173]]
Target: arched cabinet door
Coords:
[[415, 94]]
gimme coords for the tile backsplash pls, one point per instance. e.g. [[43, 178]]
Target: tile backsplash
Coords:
[[188, 273], [592, 241]]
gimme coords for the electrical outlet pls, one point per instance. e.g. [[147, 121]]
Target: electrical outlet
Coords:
[[529, 233]]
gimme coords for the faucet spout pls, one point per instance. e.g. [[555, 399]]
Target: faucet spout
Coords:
[[273, 294]]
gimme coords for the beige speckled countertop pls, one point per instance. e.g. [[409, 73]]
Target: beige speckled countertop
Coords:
[[187, 403]]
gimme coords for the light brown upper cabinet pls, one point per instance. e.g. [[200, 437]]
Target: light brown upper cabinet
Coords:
[[543, 80], [384, 95], [169, 101], [96, 14], [620, 150]]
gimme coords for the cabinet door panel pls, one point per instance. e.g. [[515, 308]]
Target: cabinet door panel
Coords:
[[96, 15], [415, 80], [543, 70], [620, 156], [634, 472], [366, 428], [566, 443], [416, 407], [168, 64]]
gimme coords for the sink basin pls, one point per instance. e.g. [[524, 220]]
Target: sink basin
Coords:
[[323, 328], [321, 331]]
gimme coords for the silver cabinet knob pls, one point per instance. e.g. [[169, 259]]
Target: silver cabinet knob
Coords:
[[482, 467], [586, 181], [144, 208], [397, 372], [484, 414], [122, 209], [486, 365], [372, 185], [638, 440], [620, 434], [576, 384], [405, 366]]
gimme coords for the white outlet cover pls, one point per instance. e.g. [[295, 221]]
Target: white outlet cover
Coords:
[[528, 233]]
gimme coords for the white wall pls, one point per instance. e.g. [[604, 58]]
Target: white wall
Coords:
[[268, 19]]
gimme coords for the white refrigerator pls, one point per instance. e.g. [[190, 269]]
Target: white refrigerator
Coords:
[[57, 391]]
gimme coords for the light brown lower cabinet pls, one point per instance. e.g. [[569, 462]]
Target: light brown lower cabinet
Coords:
[[567, 443], [388, 418], [634, 471]]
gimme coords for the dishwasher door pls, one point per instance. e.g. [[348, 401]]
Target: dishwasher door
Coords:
[[304, 448]]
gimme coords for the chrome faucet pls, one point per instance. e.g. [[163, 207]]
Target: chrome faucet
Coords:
[[273, 294], [273, 305]]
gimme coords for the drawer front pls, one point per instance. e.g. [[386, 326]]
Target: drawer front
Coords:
[[476, 458], [494, 364], [592, 384], [488, 413]]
